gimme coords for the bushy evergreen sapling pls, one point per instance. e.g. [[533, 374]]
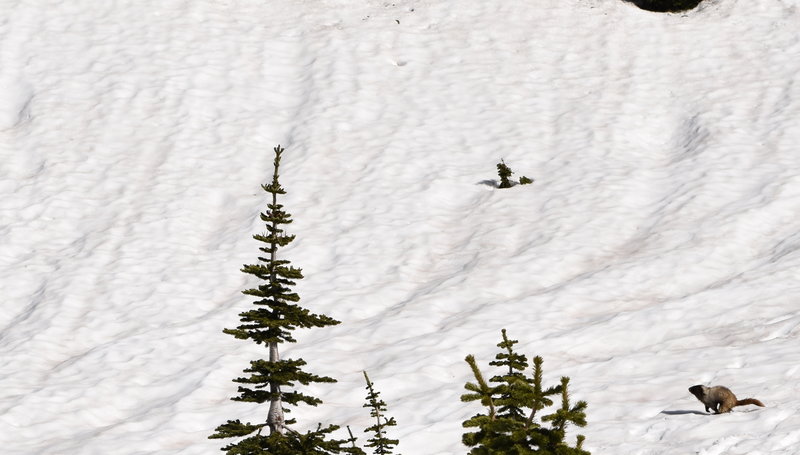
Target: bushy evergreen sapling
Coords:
[[512, 400], [275, 315], [504, 172]]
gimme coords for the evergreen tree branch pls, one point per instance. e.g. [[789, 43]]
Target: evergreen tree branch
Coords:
[[483, 391]]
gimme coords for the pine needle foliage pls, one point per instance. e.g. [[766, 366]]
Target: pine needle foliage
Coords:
[[504, 172], [314, 442], [513, 399], [271, 321], [380, 443]]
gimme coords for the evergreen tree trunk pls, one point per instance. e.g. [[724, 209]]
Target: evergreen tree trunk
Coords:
[[275, 418]]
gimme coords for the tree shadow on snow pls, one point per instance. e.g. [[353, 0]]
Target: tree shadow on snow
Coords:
[[492, 183], [682, 412]]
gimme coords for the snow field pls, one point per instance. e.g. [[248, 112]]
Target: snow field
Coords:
[[655, 250]]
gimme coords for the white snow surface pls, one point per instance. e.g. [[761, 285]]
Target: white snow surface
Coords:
[[658, 248]]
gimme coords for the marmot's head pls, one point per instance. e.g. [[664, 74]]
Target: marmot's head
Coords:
[[698, 391]]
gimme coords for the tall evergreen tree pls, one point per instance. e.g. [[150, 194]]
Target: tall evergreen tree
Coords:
[[510, 426], [275, 315]]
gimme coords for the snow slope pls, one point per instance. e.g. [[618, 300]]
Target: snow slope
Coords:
[[657, 248]]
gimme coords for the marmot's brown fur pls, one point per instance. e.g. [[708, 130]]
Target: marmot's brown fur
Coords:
[[720, 398]]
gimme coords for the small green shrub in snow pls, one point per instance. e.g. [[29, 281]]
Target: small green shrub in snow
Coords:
[[525, 180], [504, 172]]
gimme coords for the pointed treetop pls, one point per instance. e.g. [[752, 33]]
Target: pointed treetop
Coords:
[[275, 187], [511, 359]]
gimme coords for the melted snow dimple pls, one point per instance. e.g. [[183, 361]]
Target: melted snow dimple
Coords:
[[15, 98]]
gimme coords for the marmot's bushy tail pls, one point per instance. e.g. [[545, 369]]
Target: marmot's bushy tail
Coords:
[[749, 401]]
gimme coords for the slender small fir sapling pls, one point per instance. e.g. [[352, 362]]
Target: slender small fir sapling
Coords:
[[380, 442]]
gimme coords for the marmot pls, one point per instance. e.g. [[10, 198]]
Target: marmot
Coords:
[[720, 398]]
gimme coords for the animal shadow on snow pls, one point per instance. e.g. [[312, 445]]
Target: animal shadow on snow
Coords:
[[682, 412]]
